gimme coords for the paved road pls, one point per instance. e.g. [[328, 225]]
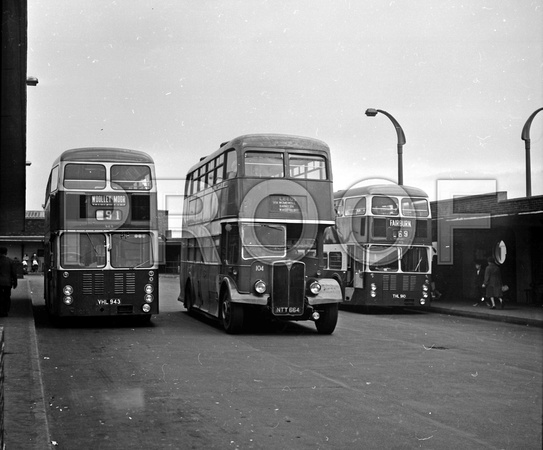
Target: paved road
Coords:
[[380, 381]]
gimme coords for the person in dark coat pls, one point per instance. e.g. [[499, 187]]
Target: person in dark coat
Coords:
[[8, 280], [479, 278], [493, 283]]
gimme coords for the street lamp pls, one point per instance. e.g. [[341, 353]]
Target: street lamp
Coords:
[[525, 136], [401, 138]]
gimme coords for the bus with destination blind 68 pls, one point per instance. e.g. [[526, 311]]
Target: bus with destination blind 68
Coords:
[[381, 246], [101, 234], [252, 234]]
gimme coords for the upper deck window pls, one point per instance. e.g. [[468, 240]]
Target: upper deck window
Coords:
[[384, 206], [131, 177], [231, 163], [355, 206], [415, 207], [84, 176], [307, 167], [264, 165]]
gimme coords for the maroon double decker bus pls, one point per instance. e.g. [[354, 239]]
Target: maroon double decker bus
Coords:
[[101, 234], [254, 215]]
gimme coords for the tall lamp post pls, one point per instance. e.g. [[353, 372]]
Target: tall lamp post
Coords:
[[525, 136], [401, 138]]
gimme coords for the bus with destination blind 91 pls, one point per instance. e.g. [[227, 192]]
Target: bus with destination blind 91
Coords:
[[381, 246], [101, 234], [252, 234]]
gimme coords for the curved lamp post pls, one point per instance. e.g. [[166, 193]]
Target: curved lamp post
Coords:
[[401, 138], [525, 136]]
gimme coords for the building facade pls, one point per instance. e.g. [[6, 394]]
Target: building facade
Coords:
[[473, 228]]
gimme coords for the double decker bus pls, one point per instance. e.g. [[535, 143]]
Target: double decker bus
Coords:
[[254, 215], [101, 234], [381, 246]]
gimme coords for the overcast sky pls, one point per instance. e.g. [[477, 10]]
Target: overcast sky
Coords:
[[175, 78]]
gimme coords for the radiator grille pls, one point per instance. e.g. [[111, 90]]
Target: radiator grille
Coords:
[[390, 282], [93, 283], [288, 288], [124, 283], [408, 282]]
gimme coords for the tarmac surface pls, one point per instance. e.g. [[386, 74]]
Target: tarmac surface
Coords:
[[25, 418]]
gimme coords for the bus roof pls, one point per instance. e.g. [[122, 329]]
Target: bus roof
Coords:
[[267, 140], [381, 189], [104, 154]]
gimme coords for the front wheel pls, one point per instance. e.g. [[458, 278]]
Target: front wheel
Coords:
[[231, 315], [326, 324]]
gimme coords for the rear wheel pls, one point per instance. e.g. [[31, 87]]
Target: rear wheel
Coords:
[[326, 324], [231, 315]]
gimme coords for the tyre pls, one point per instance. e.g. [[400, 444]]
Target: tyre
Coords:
[[326, 324], [231, 315]]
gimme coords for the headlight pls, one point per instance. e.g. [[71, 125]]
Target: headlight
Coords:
[[146, 308], [425, 287], [260, 287], [373, 287], [68, 300], [68, 290], [148, 288], [148, 298], [373, 293], [315, 287]]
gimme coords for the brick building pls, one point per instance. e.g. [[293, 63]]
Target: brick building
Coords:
[[29, 240]]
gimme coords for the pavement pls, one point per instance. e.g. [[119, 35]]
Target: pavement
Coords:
[[25, 412]]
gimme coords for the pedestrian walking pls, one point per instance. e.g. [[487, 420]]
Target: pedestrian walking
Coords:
[[493, 283], [479, 278], [8, 280]]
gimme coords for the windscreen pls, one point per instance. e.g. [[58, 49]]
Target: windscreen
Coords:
[[382, 258], [263, 241], [415, 259], [82, 250], [131, 250]]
